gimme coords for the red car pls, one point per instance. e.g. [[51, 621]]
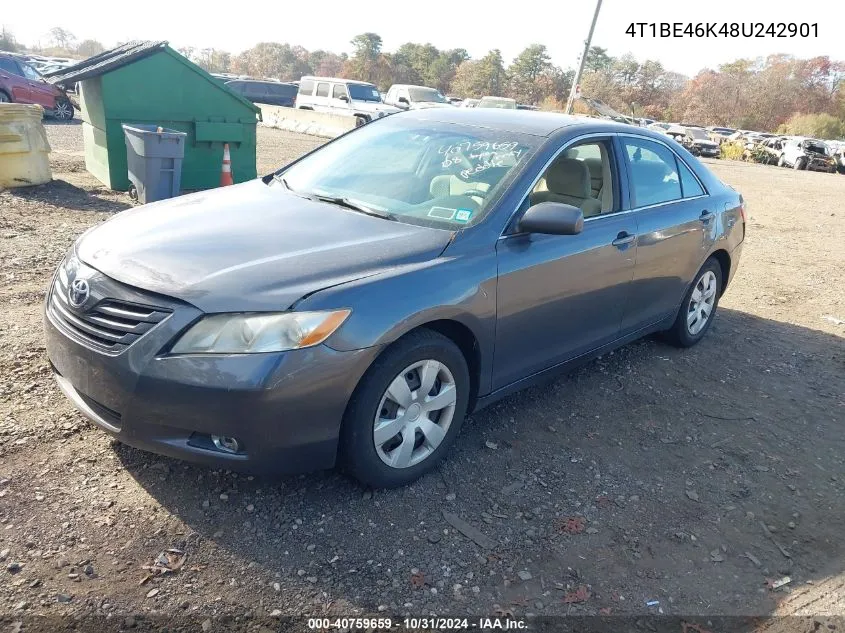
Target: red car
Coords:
[[21, 83]]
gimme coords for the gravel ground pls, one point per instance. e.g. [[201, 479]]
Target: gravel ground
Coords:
[[652, 474]]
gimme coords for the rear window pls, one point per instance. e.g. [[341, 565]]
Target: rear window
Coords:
[[306, 87]]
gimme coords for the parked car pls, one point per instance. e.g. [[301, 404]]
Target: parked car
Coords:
[[342, 96], [719, 134], [408, 97], [269, 92], [497, 102], [357, 304], [695, 139], [807, 153], [768, 151], [836, 149], [21, 83]]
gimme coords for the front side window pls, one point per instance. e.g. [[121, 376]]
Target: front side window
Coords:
[[363, 92], [339, 91], [432, 174], [654, 172], [30, 73]]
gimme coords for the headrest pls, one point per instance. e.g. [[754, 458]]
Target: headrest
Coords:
[[569, 177]]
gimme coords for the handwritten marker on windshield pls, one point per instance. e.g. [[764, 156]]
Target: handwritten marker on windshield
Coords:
[[226, 174]]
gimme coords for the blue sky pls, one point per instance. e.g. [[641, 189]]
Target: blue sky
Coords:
[[477, 26]]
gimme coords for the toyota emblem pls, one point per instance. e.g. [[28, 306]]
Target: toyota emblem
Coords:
[[77, 293]]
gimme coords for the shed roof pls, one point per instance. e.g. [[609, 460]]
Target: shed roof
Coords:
[[106, 61], [125, 54]]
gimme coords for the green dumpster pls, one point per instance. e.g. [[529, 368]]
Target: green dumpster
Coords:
[[150, 83]]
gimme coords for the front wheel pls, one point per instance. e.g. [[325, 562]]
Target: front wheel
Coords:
[[698, 308], [406, 411], [361, 120], [800, 163], [4, 98], [64, 109]]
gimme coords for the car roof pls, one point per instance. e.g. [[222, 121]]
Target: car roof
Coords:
[[531, 122], [338, 80]]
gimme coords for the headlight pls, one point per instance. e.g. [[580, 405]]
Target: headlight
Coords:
[[259, 332]]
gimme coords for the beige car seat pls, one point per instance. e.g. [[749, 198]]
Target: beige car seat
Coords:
[[568, 181]]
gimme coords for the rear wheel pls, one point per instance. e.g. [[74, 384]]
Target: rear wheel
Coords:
[[4, 98], [698, 308], [406, 411]]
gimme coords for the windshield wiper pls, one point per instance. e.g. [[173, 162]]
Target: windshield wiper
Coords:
[[354, 205], [281, 179]]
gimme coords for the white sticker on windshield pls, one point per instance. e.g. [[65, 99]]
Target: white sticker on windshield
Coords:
[[442, 213]]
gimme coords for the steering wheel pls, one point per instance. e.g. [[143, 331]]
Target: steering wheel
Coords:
[[477, 193]]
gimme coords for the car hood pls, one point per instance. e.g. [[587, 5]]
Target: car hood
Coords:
[[370, 106], [250, 247], [422, 105]]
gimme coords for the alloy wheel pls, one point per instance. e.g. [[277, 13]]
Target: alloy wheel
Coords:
[[64, 110], [415, 413], [701, 302]]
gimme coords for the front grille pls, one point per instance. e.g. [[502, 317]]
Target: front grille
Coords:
[[110, 325]]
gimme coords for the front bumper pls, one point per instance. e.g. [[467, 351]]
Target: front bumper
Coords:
[[285, 408]]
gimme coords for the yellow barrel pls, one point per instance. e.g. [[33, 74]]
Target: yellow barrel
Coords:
[[24, 150]]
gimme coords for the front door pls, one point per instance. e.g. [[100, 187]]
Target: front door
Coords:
[[562, 296], [677, 225], [41, 92]]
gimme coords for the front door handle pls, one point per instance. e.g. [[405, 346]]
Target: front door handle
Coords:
[[706, 216], [623, 239]]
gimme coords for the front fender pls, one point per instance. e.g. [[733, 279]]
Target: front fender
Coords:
[[390, 304]]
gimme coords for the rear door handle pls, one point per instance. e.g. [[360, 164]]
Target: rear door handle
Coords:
[[623, 239], [706, 216]]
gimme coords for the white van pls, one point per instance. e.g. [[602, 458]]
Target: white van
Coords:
[[342, 96]]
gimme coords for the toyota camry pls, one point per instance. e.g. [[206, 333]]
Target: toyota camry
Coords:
[[356, 305]]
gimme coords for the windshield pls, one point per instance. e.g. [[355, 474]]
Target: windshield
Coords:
[[363, 92], [426, 94], [432, 174], [698, 134], [497, 102]]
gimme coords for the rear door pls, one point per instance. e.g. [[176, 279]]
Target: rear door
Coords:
[[676, 219], [322, 97], [14, 81]]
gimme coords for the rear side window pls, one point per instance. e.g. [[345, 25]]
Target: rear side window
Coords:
[[306, 87], [10, 66], [690, 187], [322, 90], [654, 172]]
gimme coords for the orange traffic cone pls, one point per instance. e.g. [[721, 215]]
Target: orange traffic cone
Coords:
[[226, 174]]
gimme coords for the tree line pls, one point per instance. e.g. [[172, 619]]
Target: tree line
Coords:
[[778, 92]]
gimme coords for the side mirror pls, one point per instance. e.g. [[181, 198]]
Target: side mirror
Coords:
[[553, 218], [404, 100], [344, 98]]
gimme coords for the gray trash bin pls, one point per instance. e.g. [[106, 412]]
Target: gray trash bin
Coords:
[[154, 159]]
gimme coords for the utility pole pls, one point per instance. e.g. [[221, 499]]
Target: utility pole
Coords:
[[577, 79]]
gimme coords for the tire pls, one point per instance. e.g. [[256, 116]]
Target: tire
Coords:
[[4, 98], [372, 403], [361, 120], [781, 162], [64, 109], [682, 333], [800, 163]]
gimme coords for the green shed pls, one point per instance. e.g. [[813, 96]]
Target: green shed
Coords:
[[149, 82]]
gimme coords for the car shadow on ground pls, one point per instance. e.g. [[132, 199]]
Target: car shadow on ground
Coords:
[[690, 477], [60, 193]]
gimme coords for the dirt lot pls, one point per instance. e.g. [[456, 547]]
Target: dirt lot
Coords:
[[649, 475]]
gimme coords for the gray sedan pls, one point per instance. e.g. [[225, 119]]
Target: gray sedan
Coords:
[[356, 305]]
